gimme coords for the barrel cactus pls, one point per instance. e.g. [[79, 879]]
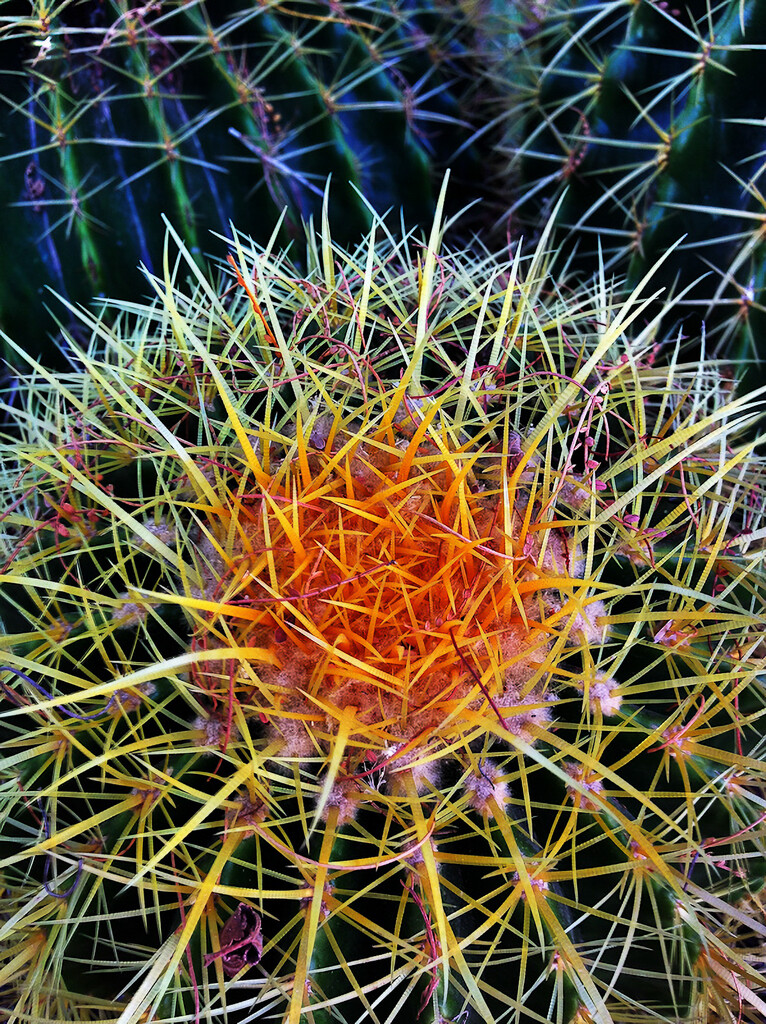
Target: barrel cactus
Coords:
[[383, 640], [646, 116], [113, 114]]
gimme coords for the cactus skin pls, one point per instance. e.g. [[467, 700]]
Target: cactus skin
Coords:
[[201, 816], [113, 115], [646, 114]]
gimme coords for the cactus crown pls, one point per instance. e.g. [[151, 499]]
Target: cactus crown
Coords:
[[376, 634]]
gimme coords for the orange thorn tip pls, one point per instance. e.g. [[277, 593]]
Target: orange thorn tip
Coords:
[[253, 301]]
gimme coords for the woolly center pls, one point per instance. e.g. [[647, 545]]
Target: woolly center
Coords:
[[378, 573], [374, 578]]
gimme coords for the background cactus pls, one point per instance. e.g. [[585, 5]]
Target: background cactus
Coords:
[[646, 115], [112, 115], [383, 640]]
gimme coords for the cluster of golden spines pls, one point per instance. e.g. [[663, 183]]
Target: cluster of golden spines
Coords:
[[387, 571]]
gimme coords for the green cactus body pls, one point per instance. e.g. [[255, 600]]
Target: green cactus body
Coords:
[[648, 117], [383, 640], [112, 116]]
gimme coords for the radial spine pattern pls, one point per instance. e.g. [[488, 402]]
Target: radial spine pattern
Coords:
[[382, 640]]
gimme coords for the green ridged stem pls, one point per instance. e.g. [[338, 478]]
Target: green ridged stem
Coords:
[[646, 116], [114, 116]]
